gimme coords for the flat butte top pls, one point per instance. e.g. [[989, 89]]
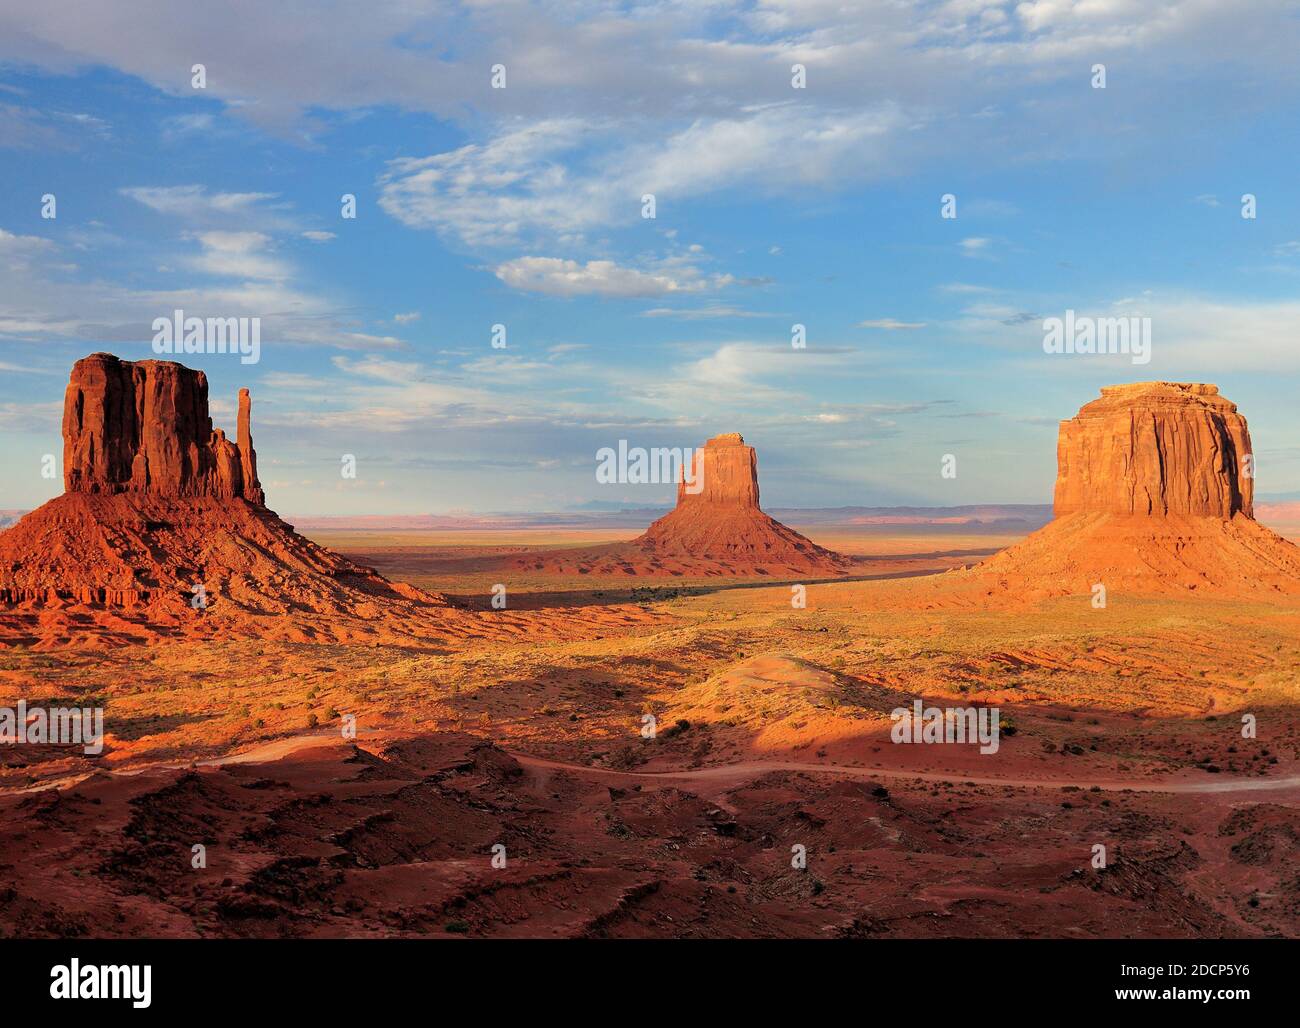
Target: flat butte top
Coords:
[[1168, 395]]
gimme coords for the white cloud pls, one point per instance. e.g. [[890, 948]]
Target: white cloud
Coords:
[[988, 208], [734, 365], [294, 381], [24, 128], [601, 59], [890, 324], [406, 319], [1192, 334], [194, 202], [21, 248], [190, 124], [42, 297], [556, 179], [745, 376], [961, 288], [708, 313], [557, 277], [488, 193], [317, 236], [1207, 335], [238, 255]]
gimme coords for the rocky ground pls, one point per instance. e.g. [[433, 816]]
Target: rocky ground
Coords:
[[688, 734], [1125, 732]]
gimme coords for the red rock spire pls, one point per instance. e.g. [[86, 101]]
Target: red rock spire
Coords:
[[247, 455]]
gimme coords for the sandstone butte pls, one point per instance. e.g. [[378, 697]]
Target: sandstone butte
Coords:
[[1156, 448], [716, 528], [157, 502], [1154, 494], [143, 427]]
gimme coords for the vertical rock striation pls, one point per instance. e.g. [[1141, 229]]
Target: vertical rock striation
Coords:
[[724, 474], [1154, 495], [143, 427], [1155, 448]]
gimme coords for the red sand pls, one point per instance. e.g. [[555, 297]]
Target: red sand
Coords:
[[523, 728]]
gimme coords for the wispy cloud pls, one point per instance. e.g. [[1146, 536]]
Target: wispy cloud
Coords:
[[890, 324], [194, 202], [557, 277], [555, 180], [710, 313], [239, 255], [965, 288]]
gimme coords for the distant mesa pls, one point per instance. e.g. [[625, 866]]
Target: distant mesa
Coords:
[[1154, 494], [164, 520], [717, 528]]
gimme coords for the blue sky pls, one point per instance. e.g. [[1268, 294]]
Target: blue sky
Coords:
[[775, 206]]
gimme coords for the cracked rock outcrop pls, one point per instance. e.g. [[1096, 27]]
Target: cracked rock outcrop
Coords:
[[1156, 448]]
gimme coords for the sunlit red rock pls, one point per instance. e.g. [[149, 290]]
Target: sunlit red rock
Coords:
[[158, 503], [724, 474], [717, 528], [1154, 494], [143, 427], [1156, 448]]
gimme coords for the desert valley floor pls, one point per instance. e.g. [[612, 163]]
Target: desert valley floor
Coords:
[[1121, 728]]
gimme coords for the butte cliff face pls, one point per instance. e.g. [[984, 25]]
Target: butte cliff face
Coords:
[[724, 474], [1154, 494], [1156, 448], [143, 427], [164, 523]]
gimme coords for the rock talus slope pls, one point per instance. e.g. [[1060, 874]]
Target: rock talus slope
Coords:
[[716, 529], [718, 517], [164, 517]]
